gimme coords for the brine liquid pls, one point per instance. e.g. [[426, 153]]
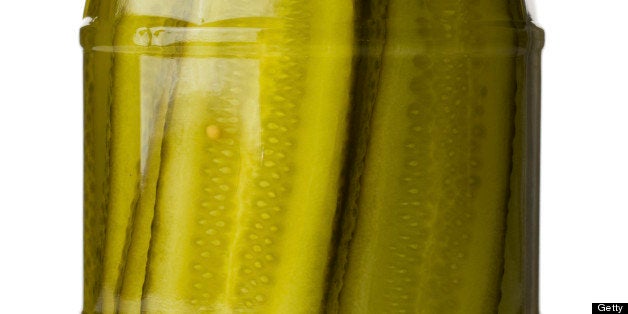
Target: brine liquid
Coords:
[[294, 156]]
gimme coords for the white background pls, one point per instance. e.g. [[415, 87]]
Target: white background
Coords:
[[584, 174]]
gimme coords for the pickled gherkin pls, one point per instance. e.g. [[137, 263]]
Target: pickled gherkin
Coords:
[[428, 203], [233, 215], [210, 203], [310, 156]]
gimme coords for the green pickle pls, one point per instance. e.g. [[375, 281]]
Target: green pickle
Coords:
[[220, 188], [435, 211], [310, 156], [434, 188]]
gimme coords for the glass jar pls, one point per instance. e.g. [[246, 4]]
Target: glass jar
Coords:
[[298, 156]]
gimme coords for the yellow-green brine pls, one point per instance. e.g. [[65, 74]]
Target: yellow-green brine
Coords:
[[310, 156]]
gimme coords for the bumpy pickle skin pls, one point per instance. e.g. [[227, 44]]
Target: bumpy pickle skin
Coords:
[[98, 38], [124, 158], [520, 279], [512, 286], [97, 66], [162, 71], [434, 192], [94, 186], [370, 34], [158, 71], [250, 169], [129, 141]]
